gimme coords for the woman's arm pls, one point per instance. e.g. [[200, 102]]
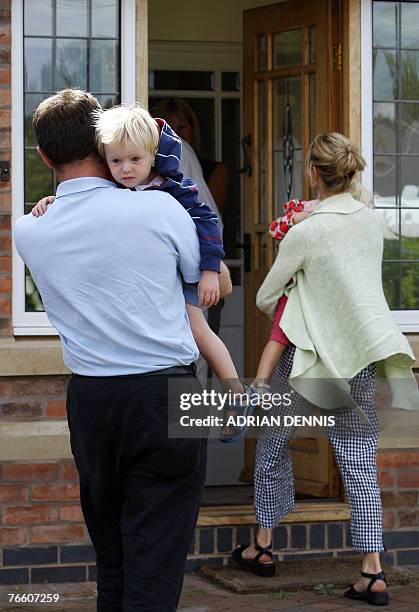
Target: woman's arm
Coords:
[[218, 185], [292, 256]]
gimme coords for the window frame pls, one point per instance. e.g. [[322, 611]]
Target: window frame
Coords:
[[407, 320], [37, 323]]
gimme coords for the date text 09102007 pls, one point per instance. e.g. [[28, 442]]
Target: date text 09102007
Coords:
[[39, 598]]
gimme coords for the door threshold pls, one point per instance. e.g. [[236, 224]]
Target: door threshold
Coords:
[[304, 512]]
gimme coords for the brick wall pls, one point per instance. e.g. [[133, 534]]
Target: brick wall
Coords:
[[5, 188], [24, 398]]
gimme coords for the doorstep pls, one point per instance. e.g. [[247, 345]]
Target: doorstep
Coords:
[[304, 512]]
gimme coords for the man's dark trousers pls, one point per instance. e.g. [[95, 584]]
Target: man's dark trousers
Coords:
[[140, 490]]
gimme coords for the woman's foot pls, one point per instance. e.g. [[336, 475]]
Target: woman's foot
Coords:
[[250, 553]]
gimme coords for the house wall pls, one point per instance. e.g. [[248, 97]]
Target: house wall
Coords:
[[42, 534]]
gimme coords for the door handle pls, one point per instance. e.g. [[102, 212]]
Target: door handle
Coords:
[[246, 245], [246, 144]]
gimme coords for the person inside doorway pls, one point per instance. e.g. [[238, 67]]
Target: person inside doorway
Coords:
[[339, 326]]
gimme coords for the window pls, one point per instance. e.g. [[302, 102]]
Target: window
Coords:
[[58, 44], [393, 146]]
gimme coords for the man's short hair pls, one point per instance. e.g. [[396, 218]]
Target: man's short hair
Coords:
[[122, 124], [64, 127]]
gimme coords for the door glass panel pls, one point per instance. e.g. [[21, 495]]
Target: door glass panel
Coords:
[[230, 113], [385, 75], [38, 71], [409, 70], [72, 18], [312, 52], [312, 106], [104, 73], [409, 183], [409, 128], [38, 18], [71, 69], [384, 127], [410, 25], [385, 24], [105, 18], [287, 49], [262, 216], [385, 180], [262, 53], [286, 112]]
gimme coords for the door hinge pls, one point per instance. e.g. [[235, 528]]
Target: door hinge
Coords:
[[337, 57]]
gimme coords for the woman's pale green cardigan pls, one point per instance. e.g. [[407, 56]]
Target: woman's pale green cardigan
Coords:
[[336, 315]]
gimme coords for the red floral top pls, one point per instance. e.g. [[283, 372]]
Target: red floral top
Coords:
[[280, 226]]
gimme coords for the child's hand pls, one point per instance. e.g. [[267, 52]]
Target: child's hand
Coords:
[[209, 288], [42, 206], [300, 216]]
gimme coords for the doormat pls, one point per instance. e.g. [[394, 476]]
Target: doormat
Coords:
[[302, 575]]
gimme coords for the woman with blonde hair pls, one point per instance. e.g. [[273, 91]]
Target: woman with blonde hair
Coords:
[[339, 326]]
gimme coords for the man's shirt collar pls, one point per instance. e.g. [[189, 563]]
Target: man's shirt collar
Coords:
[[85, 183]]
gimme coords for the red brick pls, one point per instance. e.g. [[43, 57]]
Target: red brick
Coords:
[[408, 518], [71, 513], [27, 385], [29, 515], [30, 471], [5, 76], [385, 479], [5, 304], [57, 385], [5, 385], [5, 137], [408, 479], [43, 471], [388, 520], [16, 472], [20, 410], [68, 471], [55, 492], [5, 35], [6, 287], [392, 499], [4, 55], [14, 536], [398, 458], [9, 492], [5, 264], [5, 222], [56, 408], [5, 201], [5, 97], [58, 533], [5, 113]]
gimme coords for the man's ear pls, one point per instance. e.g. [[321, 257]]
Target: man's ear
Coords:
[[44, 158]]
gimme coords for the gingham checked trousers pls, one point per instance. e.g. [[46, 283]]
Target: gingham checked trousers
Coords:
[[354, 444]]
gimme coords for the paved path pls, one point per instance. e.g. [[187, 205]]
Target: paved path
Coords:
[[199, 595]]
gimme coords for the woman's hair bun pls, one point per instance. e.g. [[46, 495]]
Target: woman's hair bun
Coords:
[[337, 159]]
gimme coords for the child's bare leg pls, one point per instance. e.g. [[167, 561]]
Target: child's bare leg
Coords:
[[270, 357], [214, 351]]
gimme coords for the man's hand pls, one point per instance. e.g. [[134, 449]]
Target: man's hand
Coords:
[[42, 206], [209, 288], [300, 216]]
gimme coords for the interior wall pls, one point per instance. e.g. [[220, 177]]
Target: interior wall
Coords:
[[200, 20]]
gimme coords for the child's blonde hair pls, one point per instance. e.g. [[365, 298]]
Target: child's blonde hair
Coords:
[[120, 124], [339, 162]]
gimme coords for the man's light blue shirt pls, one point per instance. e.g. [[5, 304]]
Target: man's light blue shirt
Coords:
[[107, 262]]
